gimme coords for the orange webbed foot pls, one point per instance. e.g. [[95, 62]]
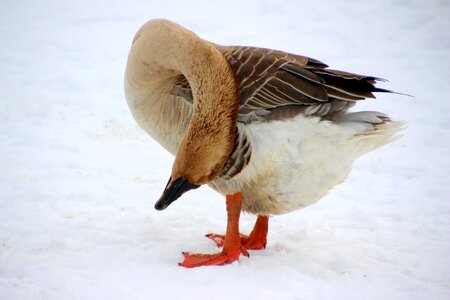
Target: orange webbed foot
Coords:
[[198, 260], [247, 242], [218, 259], [232, 246], [257, 239]]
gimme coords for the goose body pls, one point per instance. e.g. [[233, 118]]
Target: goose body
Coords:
[[268, 129]]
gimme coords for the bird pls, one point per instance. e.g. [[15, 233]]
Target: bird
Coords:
[[269, 130]]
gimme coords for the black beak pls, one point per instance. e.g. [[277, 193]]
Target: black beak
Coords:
[[173, 191]]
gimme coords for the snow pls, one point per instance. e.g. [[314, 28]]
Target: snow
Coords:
[[78, 178]]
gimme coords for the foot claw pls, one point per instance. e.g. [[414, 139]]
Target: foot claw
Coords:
[[244, 251]]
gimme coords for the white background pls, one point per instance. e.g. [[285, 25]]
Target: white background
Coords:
[[78, 178]]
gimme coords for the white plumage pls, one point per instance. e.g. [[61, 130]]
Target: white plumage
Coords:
[[295, 162]]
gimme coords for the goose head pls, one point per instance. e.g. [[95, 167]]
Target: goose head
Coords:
[[200, 159]]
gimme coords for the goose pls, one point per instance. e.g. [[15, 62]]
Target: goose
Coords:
[[269, 130]]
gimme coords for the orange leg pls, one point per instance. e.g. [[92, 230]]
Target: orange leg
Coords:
[[257, 239], [232, 247]]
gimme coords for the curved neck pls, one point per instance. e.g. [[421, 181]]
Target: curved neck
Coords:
[[161, 51]]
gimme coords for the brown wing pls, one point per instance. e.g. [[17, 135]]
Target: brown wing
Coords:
[[270, 80], [276, 84]]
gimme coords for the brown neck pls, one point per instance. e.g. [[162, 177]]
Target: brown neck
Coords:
[[161, 51]]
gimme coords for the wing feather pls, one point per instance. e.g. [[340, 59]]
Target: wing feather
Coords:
[[272, 79], [275, 79]]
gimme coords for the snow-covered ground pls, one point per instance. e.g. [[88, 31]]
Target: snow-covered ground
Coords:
[[78, 178]]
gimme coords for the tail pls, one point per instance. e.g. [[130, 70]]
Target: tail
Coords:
[[370, 129]]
